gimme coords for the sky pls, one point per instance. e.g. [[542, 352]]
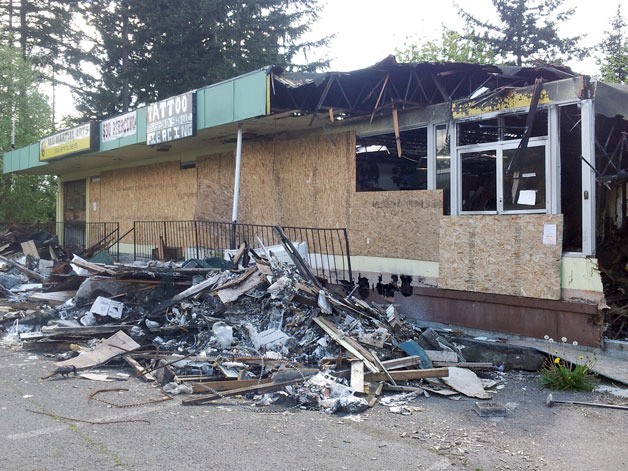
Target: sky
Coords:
[[366, 31]]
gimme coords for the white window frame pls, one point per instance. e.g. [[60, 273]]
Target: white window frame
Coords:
[[499, 147]]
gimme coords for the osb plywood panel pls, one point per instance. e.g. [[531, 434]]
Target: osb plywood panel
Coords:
[[396, 224], [216, 175], [300, 182], [94, 197], [501, 254], [150, 193]]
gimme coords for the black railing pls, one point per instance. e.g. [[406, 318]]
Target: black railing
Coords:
[[90, 235], [325, 249], [75, 236]]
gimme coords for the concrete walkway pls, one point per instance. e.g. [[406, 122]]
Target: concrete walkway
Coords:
[[599, 361]]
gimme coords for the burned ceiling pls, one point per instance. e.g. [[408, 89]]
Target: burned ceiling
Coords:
[[388, 84]]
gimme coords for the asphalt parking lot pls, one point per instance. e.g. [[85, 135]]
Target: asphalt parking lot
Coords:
[[76, 423]]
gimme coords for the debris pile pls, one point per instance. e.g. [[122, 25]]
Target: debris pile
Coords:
[[264, 329]]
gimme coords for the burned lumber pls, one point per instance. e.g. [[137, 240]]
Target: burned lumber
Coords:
[[293, 253], [408, 375], [226, 385], [191, 291], [92, 267], [140, 371], [267, 387], [348, 343]]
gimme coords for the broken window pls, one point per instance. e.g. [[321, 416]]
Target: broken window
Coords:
[[478, 132], [495, 174], [514, 125], [379, 167], [571, 177], [504, 128]]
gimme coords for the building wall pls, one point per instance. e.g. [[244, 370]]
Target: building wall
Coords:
[[311, 182], [503, 254], [150, 193], [215, 175], [300, 182], [396, 224]]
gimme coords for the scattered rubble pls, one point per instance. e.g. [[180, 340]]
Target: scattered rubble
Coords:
[[268, 330]]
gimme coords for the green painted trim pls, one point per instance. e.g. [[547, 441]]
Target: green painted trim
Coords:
[[22, 159]]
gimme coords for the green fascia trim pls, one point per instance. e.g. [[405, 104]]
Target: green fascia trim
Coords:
[[237, 99], [22, 159]]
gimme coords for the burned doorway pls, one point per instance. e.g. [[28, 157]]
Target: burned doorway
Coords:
[[74, 212], [571, 177]]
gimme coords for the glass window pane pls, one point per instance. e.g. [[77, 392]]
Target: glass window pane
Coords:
[[524, 179], [479, 174]]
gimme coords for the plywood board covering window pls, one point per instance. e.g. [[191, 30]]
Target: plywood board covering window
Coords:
[[502, 254]]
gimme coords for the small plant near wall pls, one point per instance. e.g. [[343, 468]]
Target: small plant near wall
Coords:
[[559, 374]]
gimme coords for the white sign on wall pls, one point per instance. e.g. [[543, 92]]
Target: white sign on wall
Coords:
[[120, 126], [171, 119]]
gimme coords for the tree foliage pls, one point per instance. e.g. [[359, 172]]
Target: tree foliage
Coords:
[[147, 50], [526, 32], [614, 51], [451, 47], [25, 116], [45, 33]]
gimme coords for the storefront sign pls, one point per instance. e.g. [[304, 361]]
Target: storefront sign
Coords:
[[80, 139], [120, 126], [171, 119]]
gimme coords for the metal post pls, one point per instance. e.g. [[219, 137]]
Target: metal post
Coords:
[[236, 187], [236, 184], [348, 255]]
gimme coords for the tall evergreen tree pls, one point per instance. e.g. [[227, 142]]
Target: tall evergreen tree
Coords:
[[25, 116], [614, 50], [44, 32], [526, 31], [146, 50]]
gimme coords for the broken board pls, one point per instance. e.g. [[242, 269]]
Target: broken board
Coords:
[[53, 297], [466, 382], [118, 344], [232, 293]]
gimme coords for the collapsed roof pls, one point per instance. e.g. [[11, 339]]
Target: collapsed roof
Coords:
[[390, 84]]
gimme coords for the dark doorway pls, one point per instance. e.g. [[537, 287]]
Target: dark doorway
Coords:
[[571, 177], [74, 213]]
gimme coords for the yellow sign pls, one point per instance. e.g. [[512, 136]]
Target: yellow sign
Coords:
[[72, 141], [507, 100]]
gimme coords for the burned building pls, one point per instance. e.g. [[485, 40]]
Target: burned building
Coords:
[[484, 196]]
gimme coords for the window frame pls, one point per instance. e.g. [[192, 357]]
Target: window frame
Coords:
[[499, 148]]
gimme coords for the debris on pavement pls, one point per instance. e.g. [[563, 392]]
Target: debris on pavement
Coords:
[[266, 329]]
